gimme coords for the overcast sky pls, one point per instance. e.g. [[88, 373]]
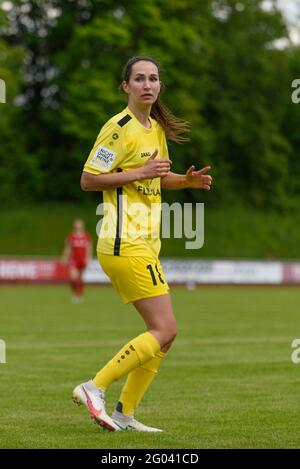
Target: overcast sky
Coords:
[[291, 10]]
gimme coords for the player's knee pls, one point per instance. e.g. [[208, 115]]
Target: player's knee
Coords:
[[165, 335], [170, 334], [174, 334]]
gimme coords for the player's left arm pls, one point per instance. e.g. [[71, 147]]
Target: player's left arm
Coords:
[[190, 180]]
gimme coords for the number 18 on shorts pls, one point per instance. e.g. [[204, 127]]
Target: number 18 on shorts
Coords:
[[134, 278]]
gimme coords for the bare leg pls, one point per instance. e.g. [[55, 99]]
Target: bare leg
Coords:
[[158, 315], [74, 279]]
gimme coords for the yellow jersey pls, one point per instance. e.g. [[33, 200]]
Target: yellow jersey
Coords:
[[132, 213]]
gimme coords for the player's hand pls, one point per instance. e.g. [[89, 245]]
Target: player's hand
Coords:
[[198, 179], [154, 168]]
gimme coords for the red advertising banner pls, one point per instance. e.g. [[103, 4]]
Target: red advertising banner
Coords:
[[33, 271], [291, 272]]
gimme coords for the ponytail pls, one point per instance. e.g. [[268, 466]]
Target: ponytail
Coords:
[[173, 126]]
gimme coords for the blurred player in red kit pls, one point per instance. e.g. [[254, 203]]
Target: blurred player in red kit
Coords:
[[78, 252]]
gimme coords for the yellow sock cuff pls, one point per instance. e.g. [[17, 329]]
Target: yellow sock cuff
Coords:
[[154, 364], [145, 346]]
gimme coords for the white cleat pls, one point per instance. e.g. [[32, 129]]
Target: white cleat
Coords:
[[93, 398], [76, 299], [129, 423]]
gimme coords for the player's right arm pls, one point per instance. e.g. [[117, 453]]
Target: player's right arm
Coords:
[[99, 172], [101, 182], [67, 250]]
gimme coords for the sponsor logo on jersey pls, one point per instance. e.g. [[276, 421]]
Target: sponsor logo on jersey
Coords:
[[145, 154], [148, 190], [103, 158]]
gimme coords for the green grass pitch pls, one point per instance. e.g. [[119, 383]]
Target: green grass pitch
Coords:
[[228, 381]]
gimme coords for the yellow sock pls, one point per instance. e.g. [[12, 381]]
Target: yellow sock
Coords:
[[138, 351], [137, 383]]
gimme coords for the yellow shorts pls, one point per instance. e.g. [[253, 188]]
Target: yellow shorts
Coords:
[[134, 278]]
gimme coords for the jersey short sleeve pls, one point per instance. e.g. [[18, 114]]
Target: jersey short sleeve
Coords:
[[107, 152]]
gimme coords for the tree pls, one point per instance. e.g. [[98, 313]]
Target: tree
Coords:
[[222, 72], [16, 166], [249, 87]]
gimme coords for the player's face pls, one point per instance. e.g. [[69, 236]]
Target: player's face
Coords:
[[144, 85], [78, 226]]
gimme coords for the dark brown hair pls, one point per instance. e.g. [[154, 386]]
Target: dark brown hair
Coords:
[[173, 126]]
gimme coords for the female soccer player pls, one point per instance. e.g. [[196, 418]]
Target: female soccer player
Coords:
[[78, 252], [130, 164]]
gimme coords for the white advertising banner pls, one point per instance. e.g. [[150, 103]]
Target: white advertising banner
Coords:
[[206, 272]]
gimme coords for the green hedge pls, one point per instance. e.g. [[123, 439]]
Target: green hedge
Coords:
[[230, 232]]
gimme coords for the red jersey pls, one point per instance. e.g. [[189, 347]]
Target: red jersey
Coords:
[[79, 245]]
